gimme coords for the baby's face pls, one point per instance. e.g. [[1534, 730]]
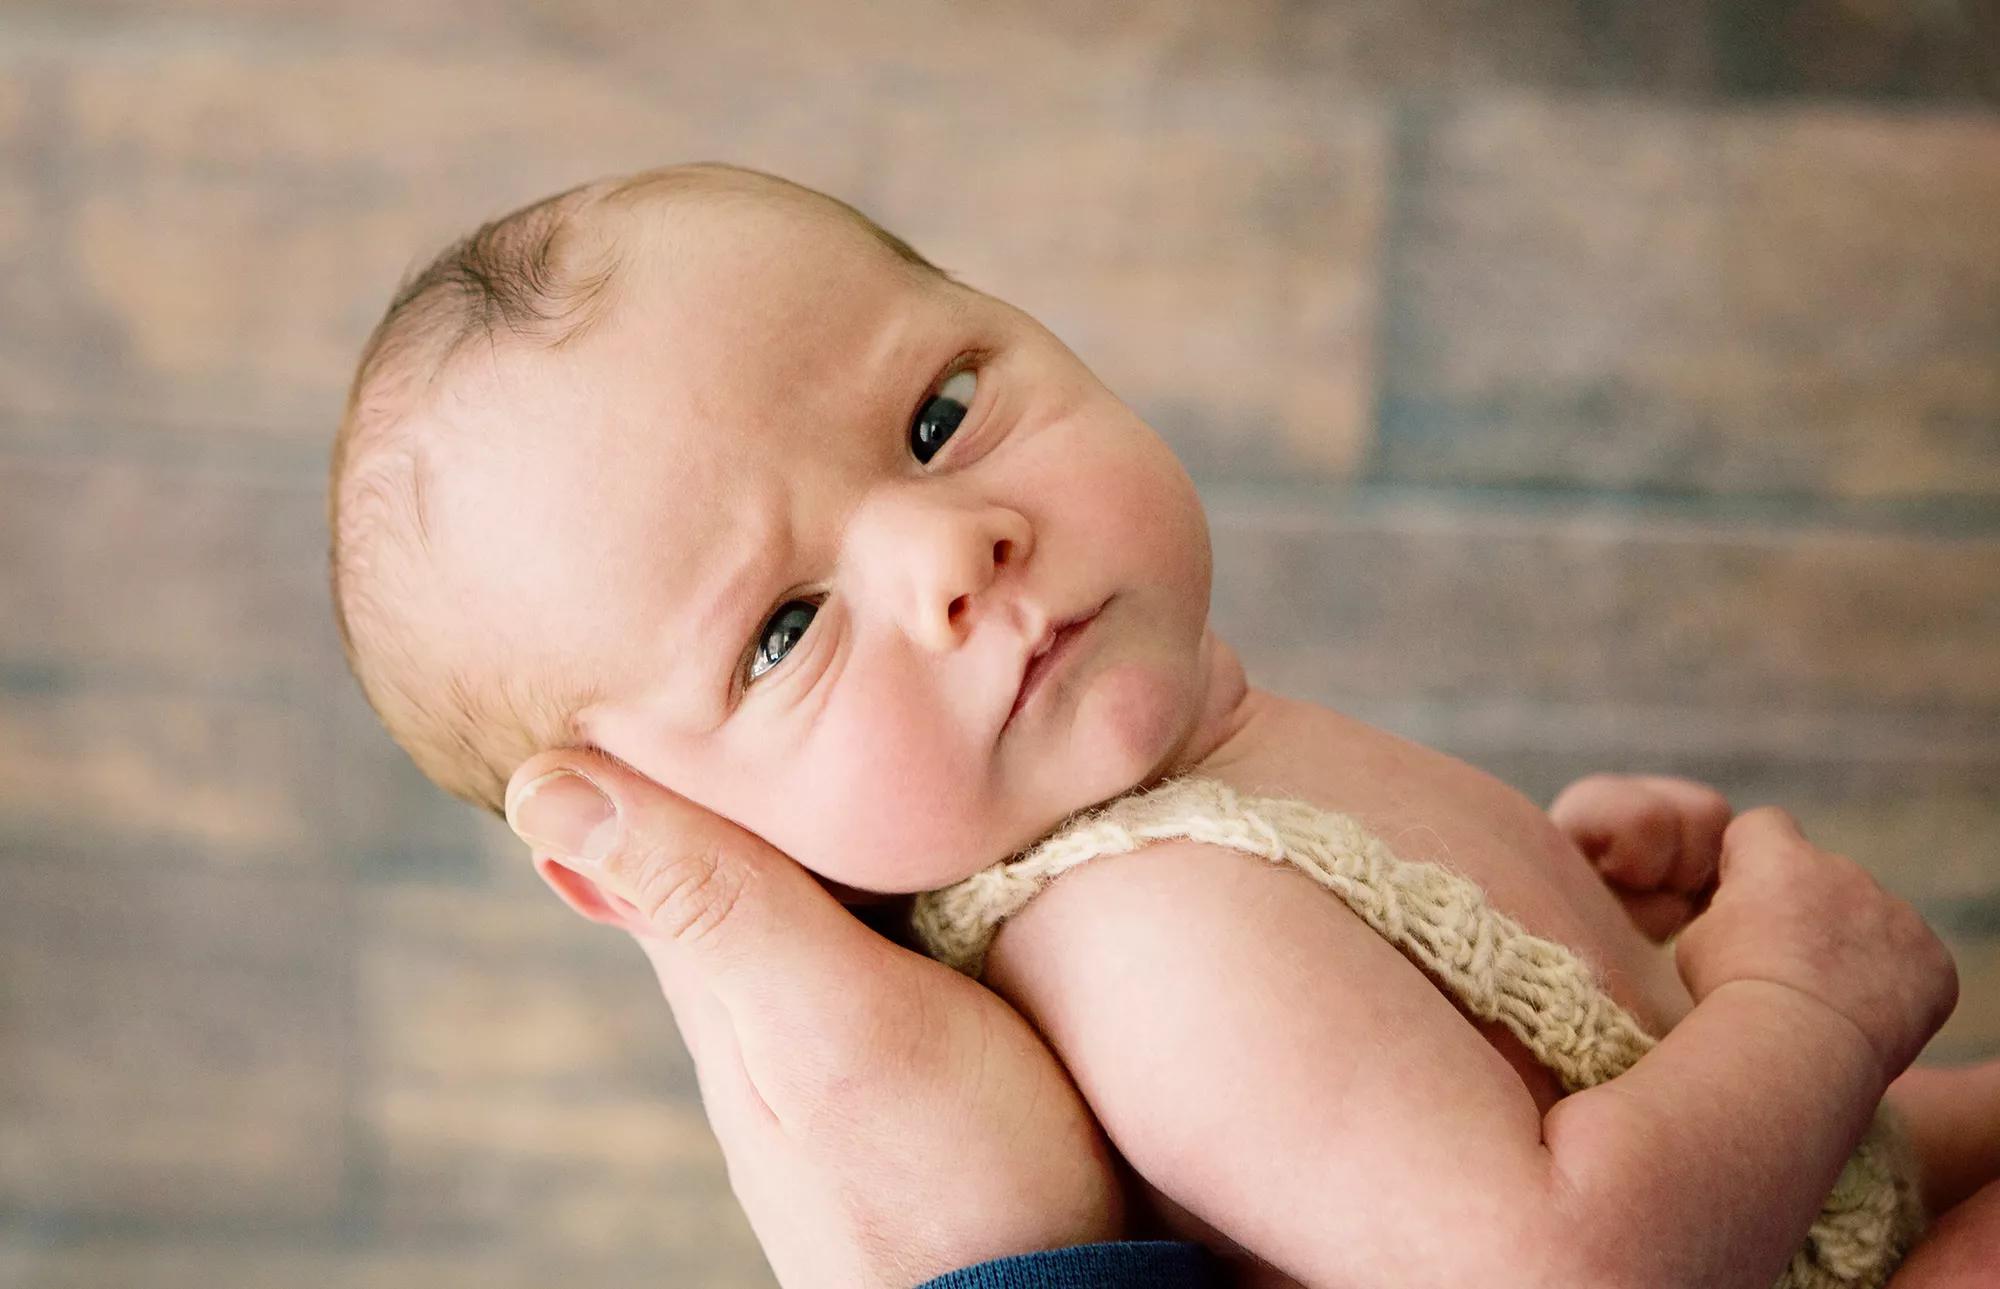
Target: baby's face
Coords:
[[739, 508]]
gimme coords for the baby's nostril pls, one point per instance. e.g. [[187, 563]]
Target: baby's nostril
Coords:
[[956, 607], [1001, 550]]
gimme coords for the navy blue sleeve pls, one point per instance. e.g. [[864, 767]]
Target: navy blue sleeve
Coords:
[[1127, 1264]]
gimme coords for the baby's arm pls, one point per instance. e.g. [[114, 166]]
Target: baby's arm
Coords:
[[1272, 1066], [1657, 843]]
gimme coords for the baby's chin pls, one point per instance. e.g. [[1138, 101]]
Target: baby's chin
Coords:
[[1129, 723], [1137, 721]]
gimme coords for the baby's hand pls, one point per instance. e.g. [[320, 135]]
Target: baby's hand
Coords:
[[1655, 841], [1816, 925]]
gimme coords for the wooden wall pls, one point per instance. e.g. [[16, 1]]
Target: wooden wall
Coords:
[[1573, 386]]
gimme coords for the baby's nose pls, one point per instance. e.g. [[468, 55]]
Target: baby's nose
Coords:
[[949, 558], [958, 587]]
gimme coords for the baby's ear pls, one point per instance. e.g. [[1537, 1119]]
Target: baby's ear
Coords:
[[584, 895]]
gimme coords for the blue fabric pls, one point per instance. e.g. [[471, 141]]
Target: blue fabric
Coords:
[[1127, 1264]]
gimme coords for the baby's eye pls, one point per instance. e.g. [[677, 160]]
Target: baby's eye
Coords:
[[940, 415], [785, 627]]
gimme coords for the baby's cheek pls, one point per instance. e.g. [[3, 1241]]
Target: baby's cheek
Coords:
[[884, 812], [1136, 495]]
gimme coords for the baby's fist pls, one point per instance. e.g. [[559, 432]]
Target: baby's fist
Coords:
[[1656, 841], [1787, 913]]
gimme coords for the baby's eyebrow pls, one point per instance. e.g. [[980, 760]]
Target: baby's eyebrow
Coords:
[[729, 616]]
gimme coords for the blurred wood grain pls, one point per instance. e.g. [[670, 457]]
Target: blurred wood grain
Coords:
[[1623, 295], [1572, 387]]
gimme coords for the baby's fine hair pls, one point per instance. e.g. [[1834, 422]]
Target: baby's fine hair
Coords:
[[535, 277]]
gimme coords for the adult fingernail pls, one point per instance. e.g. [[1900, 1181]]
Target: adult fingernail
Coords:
[[566, 814]]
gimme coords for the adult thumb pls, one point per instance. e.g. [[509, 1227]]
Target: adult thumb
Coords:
[[750, 924]]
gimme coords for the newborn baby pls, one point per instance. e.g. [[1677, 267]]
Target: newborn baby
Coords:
[[705, 470]]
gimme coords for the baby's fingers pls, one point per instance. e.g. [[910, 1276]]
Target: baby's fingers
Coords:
[[1659, 914], [1631, 835], [1704, 816], [1645, 832]]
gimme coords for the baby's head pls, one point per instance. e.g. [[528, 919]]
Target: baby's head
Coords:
[[705, 470]]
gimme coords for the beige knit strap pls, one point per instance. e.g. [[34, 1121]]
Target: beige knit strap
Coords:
[[1541, 991]]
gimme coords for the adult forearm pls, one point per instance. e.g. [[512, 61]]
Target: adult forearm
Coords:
[[1707, 1161]]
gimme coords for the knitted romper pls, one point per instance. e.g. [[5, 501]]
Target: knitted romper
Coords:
[[1544, 993]]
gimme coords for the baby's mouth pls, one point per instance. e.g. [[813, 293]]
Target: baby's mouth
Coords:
[[1056, 646]]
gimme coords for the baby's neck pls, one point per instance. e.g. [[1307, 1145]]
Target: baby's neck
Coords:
[[1227, 706]]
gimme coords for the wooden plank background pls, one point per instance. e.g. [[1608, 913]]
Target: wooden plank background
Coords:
[[1572, 387]]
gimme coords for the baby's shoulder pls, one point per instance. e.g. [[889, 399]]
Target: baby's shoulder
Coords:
[[1112, 937]]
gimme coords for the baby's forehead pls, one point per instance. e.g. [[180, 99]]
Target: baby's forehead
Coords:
[[756, 233], [710, 310], [733, 312], [743, 334]]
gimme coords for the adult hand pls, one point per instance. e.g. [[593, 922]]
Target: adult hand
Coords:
[[1656, 841], [884, 1119]]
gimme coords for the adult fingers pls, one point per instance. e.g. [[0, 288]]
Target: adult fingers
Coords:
[[729, 1095], [702, 1021], [745, 920]]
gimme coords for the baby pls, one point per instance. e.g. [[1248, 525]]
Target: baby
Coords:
[[707, 471]]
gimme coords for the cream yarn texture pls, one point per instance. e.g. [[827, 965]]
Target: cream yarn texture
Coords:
[[1541, 991]]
